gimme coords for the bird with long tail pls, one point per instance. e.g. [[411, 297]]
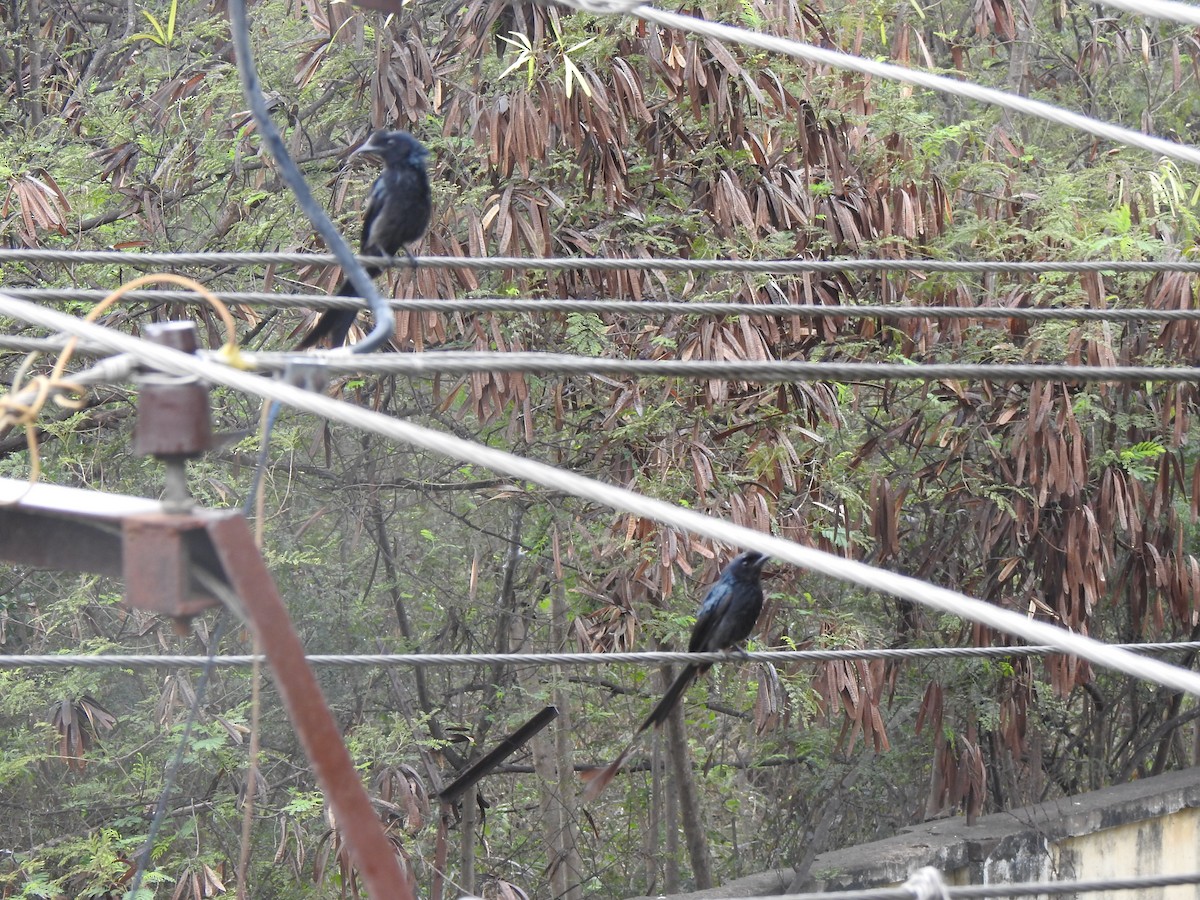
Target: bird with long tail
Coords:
[[397, 213], [726, 617]]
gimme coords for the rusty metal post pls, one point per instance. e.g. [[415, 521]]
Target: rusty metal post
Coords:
[[370, 849], [174, 560], [157, 554]]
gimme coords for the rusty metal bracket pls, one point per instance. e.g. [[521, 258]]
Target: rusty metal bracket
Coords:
[[159, 554]]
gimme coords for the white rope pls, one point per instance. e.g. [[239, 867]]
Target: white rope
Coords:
[[926, 884], [1159, 9], [941, 599], [836, 59]]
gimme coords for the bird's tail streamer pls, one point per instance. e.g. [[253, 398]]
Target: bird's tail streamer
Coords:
[[597, 779]]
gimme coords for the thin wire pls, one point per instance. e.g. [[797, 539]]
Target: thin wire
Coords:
[[954, 87], [763, 371], [44, 345], [648, 658], [268, 416], [631, 307], [875, 579], [384, 324], [597, 264]]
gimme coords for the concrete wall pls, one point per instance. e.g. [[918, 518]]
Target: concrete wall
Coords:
[[1168, 844], [1148, 827]]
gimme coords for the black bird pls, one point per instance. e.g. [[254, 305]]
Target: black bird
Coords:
[[397, 214], [726, 618]]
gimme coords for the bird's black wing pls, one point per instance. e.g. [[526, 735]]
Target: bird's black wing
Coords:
[[376, 201], [398, 210], [714, 607]]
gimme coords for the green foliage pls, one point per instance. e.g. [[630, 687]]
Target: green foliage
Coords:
[[1140, 460], [163, 37], [380, 546], [527, 58], [585, 334]]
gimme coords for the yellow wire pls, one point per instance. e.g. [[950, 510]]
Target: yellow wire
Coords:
[[14, 412], [229, 352]]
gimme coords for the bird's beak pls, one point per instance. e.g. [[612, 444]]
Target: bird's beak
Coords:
[[369, 147]]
